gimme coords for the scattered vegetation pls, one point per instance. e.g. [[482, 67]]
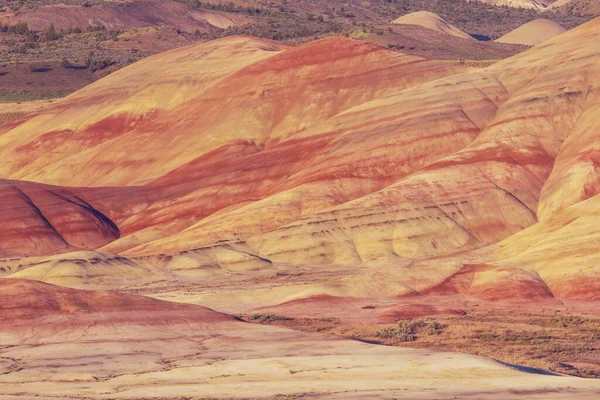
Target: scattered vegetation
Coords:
[[298, 21], [94, 63], [474, 17], [309, 18], [265, 318], [276, 25], [20, 28], [435, 328], [408, 330], [567, 344], [225, 6]]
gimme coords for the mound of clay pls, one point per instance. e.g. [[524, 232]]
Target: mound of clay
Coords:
[[431, 21], [22, 299], [40, 219], [359, 156], [533, 33]]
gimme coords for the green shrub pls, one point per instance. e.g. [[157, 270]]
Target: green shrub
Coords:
[[262, 318], [405, 331], [435, 328]]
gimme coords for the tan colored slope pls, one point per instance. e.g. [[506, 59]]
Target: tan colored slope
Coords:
[[73, 343], [559, 4], [574, 177], [533, 33], [562, 249], [99, 113], [353, 154], [78, 269], [582, 7], [431, 21], [13, 111], [477, 196], [159, 125], [178, 134]]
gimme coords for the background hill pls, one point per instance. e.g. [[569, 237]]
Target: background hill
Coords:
[[51, 48]]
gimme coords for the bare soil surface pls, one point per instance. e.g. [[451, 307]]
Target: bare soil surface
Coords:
[[562, 342]]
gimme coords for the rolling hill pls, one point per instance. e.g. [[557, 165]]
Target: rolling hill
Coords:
[[533, 33], [335, 185], [322, 134], [431, 21]]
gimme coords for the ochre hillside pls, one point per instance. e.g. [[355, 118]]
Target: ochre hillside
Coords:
[[431, 21], [157, 224], [176, 134], [489, 189], [533, 33], [246, 155]]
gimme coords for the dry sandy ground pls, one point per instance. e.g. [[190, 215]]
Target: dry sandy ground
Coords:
[[66, 343], [11, 111], [235, 360]]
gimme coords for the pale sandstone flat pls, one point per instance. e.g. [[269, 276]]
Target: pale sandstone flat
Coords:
[[109, 345]]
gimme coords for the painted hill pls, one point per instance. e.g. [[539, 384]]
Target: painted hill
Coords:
[[533, 33], [431, 21], [358, 155], [156, 122], [490, 189], [334, 186]]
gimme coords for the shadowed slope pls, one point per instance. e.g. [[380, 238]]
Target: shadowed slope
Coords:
[[41, 219]]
